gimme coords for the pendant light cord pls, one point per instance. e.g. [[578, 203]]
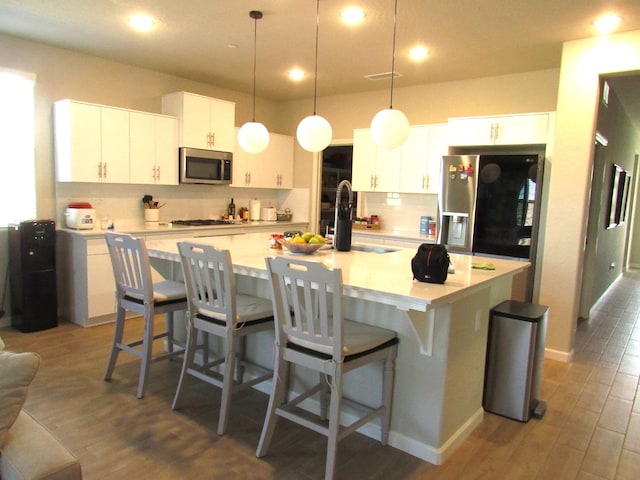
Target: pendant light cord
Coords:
[[256, 15], [393, 53], [315, 73]]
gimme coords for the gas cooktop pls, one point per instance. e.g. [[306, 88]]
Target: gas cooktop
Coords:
[[201, 222]]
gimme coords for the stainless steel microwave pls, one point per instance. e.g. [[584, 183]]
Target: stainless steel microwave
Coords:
[[205, 166]]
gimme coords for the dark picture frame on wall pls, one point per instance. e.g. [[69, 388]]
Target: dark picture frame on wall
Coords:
[[619, 196], [624, 197], [615, 196]]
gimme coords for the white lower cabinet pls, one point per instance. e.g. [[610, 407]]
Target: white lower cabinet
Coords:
[[100, 284], [524, 129], [85, 276]]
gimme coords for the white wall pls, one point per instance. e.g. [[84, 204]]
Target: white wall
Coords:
[[582, 63]]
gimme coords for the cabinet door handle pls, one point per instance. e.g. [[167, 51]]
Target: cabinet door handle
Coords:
[[491, 134], [99, 169], [497, 137], [158, 173], [104, 170]]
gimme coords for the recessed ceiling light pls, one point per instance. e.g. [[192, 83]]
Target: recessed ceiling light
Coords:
[[142, 22], [296, 74], [352, 15], [607, 23], [418, 53]]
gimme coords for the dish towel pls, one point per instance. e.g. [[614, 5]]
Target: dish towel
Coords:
[[483, 266]]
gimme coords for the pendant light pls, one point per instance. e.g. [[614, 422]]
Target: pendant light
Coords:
[[390, 128], [253, 136], [314, 132]]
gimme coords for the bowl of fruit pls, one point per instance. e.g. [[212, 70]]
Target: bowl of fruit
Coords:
[[306, 243]]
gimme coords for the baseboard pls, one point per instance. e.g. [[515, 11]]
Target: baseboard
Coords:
[[437, 455], [418, 449], [559, 355]]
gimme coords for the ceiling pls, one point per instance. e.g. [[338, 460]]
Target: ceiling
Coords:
[[466, 38]]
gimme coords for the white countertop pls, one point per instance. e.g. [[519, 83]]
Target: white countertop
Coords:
[[395, 234], [165, 227], [379, 277]]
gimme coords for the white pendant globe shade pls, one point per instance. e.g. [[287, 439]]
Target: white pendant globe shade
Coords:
[[253, 137], [389, 128], [314, 133]]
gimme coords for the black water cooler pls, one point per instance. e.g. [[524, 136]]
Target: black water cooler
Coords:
[[32, 273]]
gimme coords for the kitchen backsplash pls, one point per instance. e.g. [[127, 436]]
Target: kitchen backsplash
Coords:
[[398, 211], [123, 203]]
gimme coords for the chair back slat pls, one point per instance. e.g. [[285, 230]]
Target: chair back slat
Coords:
[[210, 281], [131, 268], [307, 301]]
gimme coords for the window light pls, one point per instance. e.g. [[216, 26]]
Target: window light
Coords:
[[17, 137]]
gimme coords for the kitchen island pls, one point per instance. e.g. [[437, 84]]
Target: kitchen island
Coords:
[[85, 276], [442, 329]]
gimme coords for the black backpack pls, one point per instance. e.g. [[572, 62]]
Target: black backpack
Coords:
[[431, 263]]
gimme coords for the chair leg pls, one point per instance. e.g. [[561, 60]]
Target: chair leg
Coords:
[[187, 360], [227, 383], [242, 348], [276, 399], [169, 326], [324, 396], [335, 407], [147, 350], [117, 339], [387, 393]]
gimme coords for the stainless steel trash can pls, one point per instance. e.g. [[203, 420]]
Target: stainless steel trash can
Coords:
[[515, 353]]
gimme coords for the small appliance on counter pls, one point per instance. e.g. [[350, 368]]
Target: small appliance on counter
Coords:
[[80, 216], [285, 216], [269, 214]]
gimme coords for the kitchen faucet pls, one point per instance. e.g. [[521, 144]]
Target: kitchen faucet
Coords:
[[342, 212]]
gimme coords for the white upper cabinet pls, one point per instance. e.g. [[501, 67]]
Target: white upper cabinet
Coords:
[[374, 169], [413, 167], [91, 142], [205, 122], [272, 168], [525, 129], [154, 149], [421, 159], [96, 143], [77, 136]]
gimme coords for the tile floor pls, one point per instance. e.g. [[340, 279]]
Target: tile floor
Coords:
[[591, 429]]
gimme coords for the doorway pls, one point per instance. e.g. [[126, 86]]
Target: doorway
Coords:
[[337, 162], [608, 248]]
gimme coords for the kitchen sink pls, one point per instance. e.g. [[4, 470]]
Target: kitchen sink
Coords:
[[373, 249]]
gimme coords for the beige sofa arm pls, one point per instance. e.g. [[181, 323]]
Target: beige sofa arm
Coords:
[[32, 452]]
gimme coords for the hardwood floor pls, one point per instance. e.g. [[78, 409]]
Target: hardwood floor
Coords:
[[591, 429]]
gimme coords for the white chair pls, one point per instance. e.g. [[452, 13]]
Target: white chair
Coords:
[[135, 291], [311, 331], [216, 308]]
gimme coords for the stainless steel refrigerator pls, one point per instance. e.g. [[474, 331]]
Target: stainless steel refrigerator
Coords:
[[489, 205]]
